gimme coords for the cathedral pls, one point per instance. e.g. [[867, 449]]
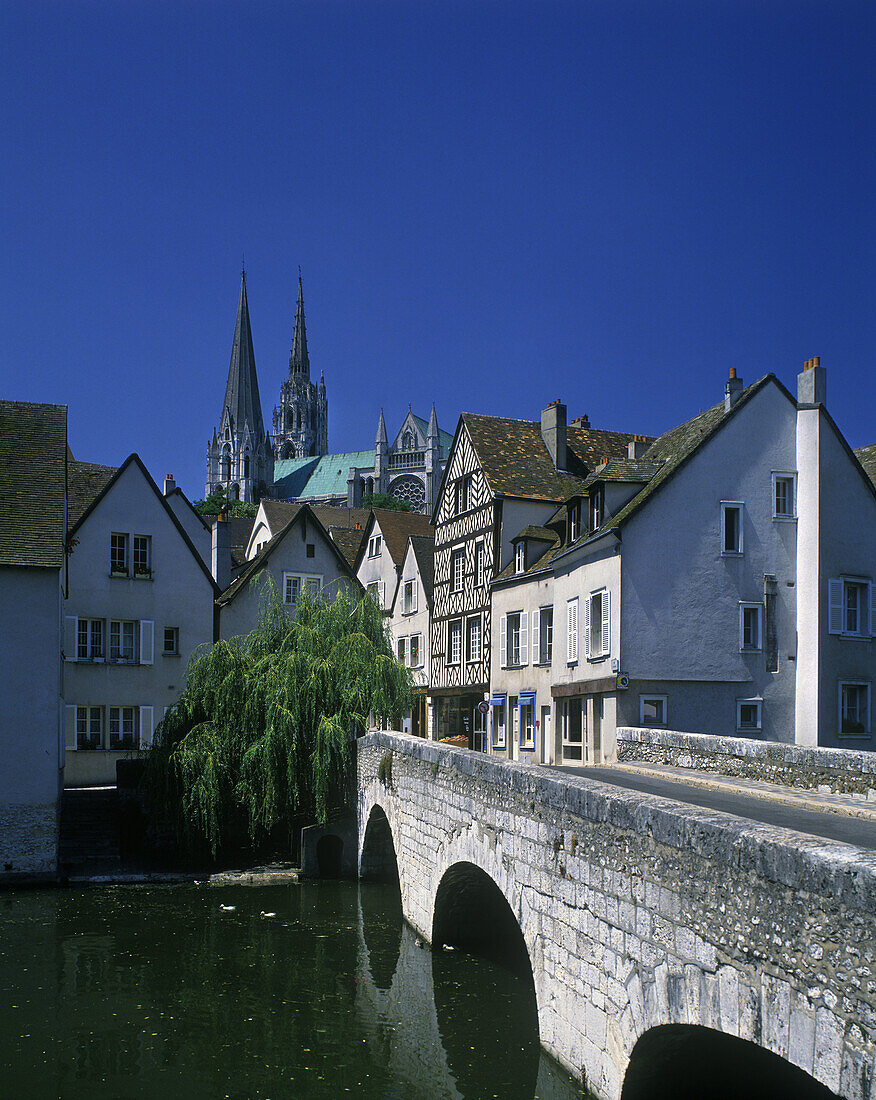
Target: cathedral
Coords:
[[296, 464]]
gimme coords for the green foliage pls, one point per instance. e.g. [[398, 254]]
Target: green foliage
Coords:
[[261, 739], [384, 770], [384, 500], [217, 502]]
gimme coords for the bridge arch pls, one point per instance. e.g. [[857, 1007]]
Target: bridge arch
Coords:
[[378, 855]]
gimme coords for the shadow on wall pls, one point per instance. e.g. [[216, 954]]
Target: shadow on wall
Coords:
[[682, 1062], [329, 851]]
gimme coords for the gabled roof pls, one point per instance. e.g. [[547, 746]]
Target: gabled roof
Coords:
[[178, 492], [445, 439], [423, 547], [346, 526], [85, 481], [867, 457], [256, 564], [349, 541], [33, 464], [319, 477], [397, 527], [242, 389], [135, 460], [517, 463], [239, 530], [534, 531]]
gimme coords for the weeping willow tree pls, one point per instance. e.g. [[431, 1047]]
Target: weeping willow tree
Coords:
[[261, 740]]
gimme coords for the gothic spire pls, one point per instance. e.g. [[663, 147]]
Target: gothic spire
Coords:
[[433, 424], [298, 360], [381, 430], [242, 390]]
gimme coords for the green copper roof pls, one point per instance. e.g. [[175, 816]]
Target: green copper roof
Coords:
[[323, 476], [444, 438]]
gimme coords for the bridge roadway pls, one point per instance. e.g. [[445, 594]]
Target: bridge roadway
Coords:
[[834, 822], [645, 908]]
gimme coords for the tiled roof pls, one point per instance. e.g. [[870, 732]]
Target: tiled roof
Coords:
[[239, 530], [325, 476], [624, 470], [543, 534], [33, 460], [85, 482], [396, 528], [349, 541], [424, 552], [517, 463], [867, 457]]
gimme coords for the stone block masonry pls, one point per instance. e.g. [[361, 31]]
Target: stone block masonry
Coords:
[[28, 842], [637, 911]]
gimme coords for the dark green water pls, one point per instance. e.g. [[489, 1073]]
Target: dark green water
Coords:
[[157, 992]]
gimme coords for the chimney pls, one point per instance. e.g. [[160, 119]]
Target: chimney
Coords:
[[553, 432], [169, 484], [637, 446], [581, 421], [221, 560], [812, 383], [732, 390]]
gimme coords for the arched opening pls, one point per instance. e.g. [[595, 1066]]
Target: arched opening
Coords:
[[246, 464], [226, 465], [683, 1062], [408, 440], [472, 914], [329, 853], [378, 861]]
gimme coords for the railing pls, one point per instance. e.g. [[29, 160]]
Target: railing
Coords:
[[407, 460]]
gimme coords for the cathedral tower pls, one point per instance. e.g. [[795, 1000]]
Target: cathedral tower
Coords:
[[239, 456], [301, 418]]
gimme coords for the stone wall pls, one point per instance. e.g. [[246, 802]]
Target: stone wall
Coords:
[[638, 912], [835, 771], [28, 842]]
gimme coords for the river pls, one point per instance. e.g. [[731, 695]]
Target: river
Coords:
[[160, 992]]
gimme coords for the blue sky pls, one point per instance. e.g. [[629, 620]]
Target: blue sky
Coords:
[[494, 204]]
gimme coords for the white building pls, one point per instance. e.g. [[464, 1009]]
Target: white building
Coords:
[[140, 600], [409, 625]]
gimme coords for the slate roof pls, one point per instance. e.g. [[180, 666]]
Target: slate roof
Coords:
[[424, 552], [239, 530], [517, 463], [318, 477], [624, 470], [33, 467], [349, 542], [85, 482], [242, 388], [867, 457]]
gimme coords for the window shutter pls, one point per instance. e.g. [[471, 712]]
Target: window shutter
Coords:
[[835, 605], [71, 637], [524, 638], [382, 590], [70, 727], [606, 625], [413, 606], [872, 610], [587, 652], [503, 641], [572, 630], [535, 637], [147, 642], [145, 727]]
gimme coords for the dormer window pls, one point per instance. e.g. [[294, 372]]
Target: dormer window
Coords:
[[574, 514], [597, 506], [374, 545], [520, 557]]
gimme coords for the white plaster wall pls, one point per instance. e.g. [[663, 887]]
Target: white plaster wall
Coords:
[[517, 514], [30, 730], [200, 535], [580, 576], [417, 622], [179, 594], [380, 568]]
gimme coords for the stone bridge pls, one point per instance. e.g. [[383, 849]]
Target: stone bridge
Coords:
[[655, 932]]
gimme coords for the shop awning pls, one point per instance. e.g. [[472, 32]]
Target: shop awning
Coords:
[[526, 699], [499, 699]]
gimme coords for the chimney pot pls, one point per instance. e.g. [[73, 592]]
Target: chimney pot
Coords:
[[169, 484], [732, 372], [732, 390], [812, 383]]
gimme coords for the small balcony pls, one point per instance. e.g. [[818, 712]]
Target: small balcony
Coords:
[[408, 460]]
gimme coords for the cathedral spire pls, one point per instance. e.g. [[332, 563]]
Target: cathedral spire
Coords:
[[299, 363], [381, 430], [242, 389]]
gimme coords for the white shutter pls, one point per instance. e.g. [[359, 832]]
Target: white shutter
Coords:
[[381, 588], [70, 726], [535, 637], [835, 605], [572, 630], [606, 625], [413, 606], [71, 637], [587, 651], [145, 727], [503, 641], [147, 642], [524, 638], [872, 610]]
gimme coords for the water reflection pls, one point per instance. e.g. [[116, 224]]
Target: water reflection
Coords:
[[138, 992]]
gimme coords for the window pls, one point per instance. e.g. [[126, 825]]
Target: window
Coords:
[[89, 640], [373, 590], [748, 715], [374, 545], [403, 651], [545, 635], [784, 497], [119, 555], [750, 627], [573, 726], [854, 708], [851, 607], [142, 556], [121, 640], [731, 528], [414, 650], [653, 711], [527, 722], [457, 566], [89, 728], [597, 625], [409, 598], [473, 639], [480, 564], [246, 464], [171, 641], [311, 549], [498, 707], [454, 642], [123, 727], [463, 493], [519, 557], [514, 639], [572, 631], [295, 583], [597, 500], [574, 520]]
